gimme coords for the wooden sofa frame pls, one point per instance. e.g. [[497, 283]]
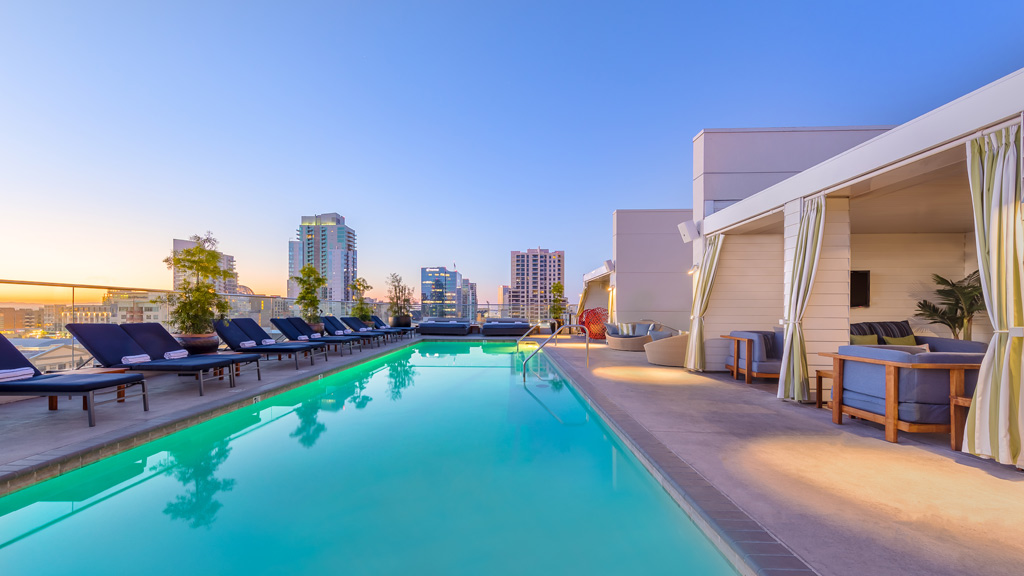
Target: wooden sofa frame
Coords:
[[958, 403], [735, 369]]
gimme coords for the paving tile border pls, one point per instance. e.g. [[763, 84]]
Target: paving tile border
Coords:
[[749, 546], [20, 474]]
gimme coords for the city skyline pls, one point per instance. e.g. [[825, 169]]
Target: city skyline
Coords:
[[444, 133]]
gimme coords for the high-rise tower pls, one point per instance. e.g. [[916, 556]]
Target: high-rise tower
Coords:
[[328, 244]]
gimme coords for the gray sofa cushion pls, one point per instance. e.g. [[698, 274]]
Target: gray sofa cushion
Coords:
[[950, 345], [916, 385], [659, 334], [610, 328], [908, 411]]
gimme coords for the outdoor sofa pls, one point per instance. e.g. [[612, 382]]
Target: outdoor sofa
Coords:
[[444, 327], [907, 388], [505, 327], [633, 336], [759, 353], [18, 377], [670, 351]]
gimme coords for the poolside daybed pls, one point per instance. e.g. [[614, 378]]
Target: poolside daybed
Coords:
[[444, 327], [505, 327]]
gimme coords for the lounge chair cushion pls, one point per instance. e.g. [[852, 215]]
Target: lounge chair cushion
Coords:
[[153, 338], [108, 343]]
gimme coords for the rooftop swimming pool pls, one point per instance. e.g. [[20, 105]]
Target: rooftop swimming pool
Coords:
[[434, 459]]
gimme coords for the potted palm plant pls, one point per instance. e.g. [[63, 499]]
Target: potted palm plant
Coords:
[[310, 281], [399, 302], [958, 302], [196, 304], [361, 310]]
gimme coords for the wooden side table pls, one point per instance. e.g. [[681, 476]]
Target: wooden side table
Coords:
[[819, 375]]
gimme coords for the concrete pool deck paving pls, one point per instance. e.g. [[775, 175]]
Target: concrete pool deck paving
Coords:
[[839, 498]]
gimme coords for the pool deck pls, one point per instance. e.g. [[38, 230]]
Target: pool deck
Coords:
[[775, 482], [840, 498]]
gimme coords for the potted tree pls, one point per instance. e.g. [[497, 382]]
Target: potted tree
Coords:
[[196, 304], [310, 281], [958, 302], [557, 307], [361, 310], [399, 302]]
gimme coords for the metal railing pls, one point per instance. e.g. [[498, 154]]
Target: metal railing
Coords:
[[544, 343]]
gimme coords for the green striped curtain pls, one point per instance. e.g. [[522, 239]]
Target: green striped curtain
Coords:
[[694, 359], [793, 383], [994, 423]]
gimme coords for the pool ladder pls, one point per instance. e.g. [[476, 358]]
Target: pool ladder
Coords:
[[549, 338]]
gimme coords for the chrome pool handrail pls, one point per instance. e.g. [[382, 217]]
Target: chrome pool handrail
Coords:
[[521, 338], [542, 344]]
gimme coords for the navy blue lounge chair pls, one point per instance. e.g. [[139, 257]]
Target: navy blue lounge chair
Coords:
[[360, 328], [53, 385], [333, 325], [238, 330], [377, 324], [112, 347], [158, 342], [304, 329]]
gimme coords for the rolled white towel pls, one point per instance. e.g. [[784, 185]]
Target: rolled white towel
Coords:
[[175, 354], [339, 332], [268, 341], [135, 359], [16, 374], [247, 344], [314, 335], [364, 329], [349, 331], [303, 338]]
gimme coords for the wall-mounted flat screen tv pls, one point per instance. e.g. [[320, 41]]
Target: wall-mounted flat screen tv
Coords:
[[860, 288]]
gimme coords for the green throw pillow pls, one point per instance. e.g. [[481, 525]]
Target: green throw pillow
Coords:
[[863, 340], [902, 341]]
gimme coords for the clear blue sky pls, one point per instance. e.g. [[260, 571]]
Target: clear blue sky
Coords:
[[444, 131]]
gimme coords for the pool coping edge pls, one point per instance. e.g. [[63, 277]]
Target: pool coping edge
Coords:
[[750, 547]]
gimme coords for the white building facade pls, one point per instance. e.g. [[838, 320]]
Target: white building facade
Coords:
[[326, 242]]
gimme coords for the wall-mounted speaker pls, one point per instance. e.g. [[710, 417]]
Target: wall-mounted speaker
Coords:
[[688, 230]]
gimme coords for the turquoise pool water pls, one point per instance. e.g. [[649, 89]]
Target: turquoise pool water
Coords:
[[432, 460]]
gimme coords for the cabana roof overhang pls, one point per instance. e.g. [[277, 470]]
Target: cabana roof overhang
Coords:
[[929, 143]]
